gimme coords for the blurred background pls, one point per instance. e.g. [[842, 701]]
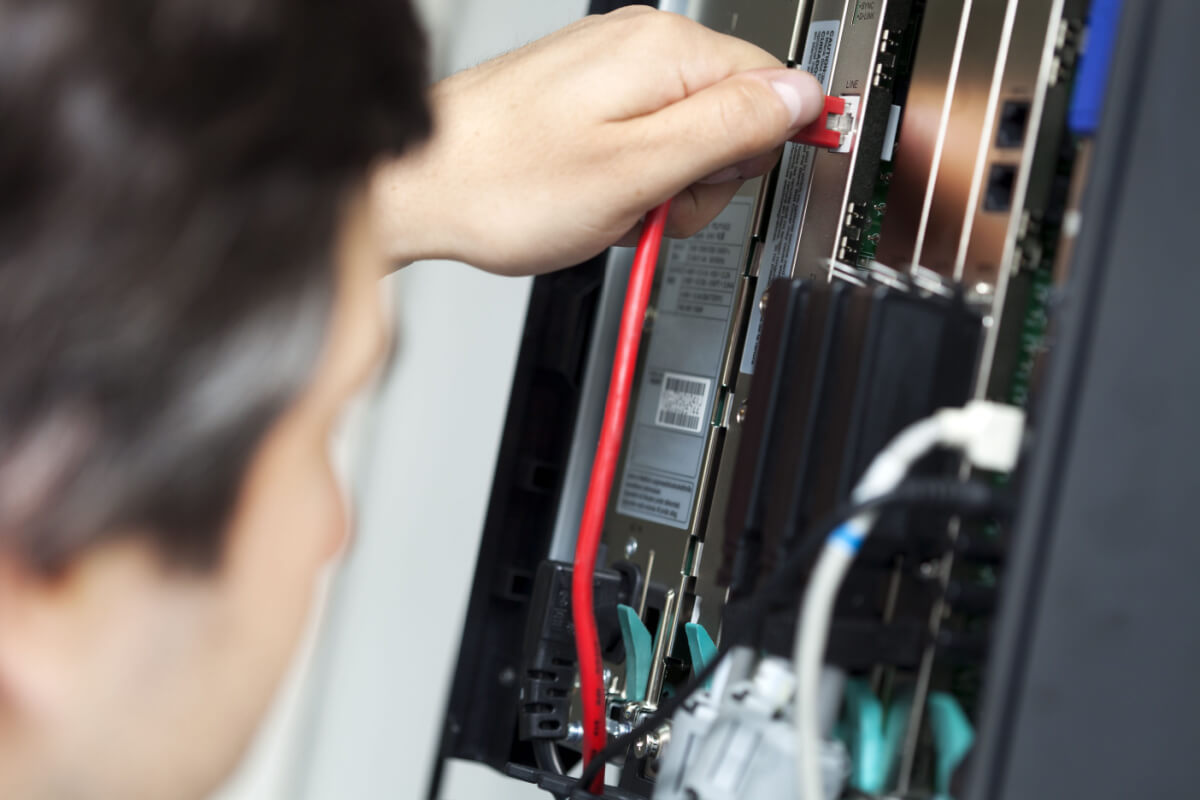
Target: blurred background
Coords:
[[361, 713]]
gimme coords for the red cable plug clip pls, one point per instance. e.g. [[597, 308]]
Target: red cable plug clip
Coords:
[[819, 134]]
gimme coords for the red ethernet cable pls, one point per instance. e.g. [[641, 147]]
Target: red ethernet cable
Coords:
[[593, 692]]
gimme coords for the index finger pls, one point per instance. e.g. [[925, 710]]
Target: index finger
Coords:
[[661, 58]]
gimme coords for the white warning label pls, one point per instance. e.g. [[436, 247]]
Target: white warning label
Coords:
[[820, 48], [791, 196]]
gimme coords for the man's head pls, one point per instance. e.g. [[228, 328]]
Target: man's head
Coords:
[[187, 299]]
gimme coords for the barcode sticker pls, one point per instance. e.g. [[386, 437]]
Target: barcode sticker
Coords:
[[682, 402]]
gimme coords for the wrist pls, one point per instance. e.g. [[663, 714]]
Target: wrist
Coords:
[[404, 200]]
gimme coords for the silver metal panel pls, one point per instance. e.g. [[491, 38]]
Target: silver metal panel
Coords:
[[793, 176], [694, 314], [766, 23], [854, 69], [670, 554]]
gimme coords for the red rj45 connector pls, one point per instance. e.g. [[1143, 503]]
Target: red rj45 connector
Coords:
[[819, 134]]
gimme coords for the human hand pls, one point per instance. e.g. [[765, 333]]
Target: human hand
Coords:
[[545, 156]]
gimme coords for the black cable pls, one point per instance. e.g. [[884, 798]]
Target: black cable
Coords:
[[651, 722], [961, 496], [546, 754]]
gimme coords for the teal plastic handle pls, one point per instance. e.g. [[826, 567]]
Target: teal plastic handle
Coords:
[[861, 729], [949, 728], [953, 736], [639, 652], [701, 648]]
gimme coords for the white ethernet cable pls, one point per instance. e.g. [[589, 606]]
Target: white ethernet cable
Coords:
[[989, 436]]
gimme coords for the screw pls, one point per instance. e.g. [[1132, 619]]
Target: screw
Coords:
[[631, 547], [647, 746], [741, 414], [508, 677], [651, 745], [762, 302]]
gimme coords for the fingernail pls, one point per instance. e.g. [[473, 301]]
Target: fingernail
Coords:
[[801, 93]]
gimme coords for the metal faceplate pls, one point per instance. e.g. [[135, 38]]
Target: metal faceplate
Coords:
[[682, 389]]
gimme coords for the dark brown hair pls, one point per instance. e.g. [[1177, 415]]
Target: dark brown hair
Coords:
[[172, 174]]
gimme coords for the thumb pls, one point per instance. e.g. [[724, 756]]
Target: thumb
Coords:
[[736, 119]]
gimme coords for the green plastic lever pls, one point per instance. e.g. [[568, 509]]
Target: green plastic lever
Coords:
[[639, 652], [951, 732], [952, 738], [701, 648], [861, 728]]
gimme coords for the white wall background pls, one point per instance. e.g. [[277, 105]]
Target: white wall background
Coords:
[[361, 713]]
